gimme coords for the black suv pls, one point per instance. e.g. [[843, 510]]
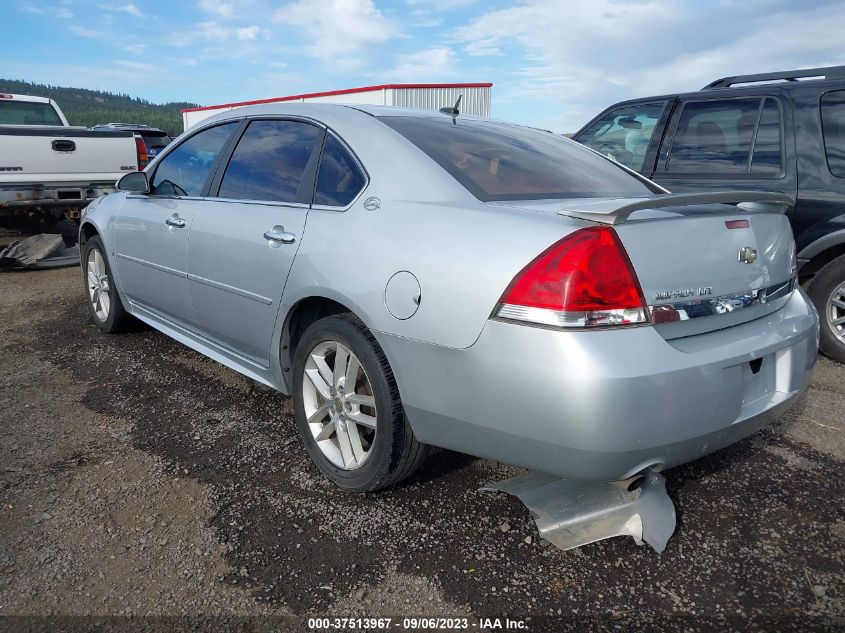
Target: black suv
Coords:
[[155, 139], [782, 131]]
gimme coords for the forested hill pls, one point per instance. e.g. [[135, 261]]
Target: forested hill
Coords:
[[90, 107]]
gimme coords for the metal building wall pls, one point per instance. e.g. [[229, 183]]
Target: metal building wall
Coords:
[[476, 101]]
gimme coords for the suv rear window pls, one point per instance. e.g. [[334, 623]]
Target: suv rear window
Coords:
[[27, 113], [833, 126], [496, 161]]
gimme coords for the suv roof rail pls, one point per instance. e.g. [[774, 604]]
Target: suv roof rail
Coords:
[[827, 72]]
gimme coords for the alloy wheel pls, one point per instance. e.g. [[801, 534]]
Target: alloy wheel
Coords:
[[836, 312], [339, 404], [98, 285]]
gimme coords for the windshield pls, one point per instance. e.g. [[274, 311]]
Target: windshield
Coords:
[[496, 161], [27, 113]]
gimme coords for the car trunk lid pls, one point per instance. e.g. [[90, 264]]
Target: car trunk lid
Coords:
[[703, 265]]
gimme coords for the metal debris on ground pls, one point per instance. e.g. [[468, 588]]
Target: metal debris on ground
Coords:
[[571, 513], [39, 251]]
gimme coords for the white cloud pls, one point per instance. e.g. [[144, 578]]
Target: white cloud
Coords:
[[131, 9], [427, 66], [572, 58], [136, 49], [83, 32], [65, 14], [338, 27], [212, 30], [224, 9]]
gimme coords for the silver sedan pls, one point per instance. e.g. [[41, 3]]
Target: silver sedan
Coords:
[[419, 279]]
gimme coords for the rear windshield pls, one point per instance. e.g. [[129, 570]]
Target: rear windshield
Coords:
[[157, 141], [27, 113], [496, 161]]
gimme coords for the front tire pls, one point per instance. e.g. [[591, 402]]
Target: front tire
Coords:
[[347, 407], [104, 304], [827, 291]]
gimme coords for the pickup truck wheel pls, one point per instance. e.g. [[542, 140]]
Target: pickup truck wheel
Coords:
[[827, 290], [347, 407], [104, 303]]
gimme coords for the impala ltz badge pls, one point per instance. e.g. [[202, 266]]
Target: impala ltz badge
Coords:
[[747, 255]]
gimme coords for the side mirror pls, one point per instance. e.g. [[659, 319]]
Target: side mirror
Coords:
[[136, 182]]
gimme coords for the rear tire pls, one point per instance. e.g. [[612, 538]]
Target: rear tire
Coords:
[[827, 291], [104, 304], [354, 428]]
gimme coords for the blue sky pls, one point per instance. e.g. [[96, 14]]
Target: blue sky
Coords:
[[553, 63]]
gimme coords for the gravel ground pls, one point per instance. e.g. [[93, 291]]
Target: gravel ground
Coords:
[[139, 478]]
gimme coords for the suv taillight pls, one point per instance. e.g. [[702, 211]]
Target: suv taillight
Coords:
[[584, 280], [141, 149]]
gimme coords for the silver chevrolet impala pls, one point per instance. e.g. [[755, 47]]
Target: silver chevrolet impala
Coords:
[[419, 279]]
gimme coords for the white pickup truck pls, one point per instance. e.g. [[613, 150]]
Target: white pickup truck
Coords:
[[50, 168]]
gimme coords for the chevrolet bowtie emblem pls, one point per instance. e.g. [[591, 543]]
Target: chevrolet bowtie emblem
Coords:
[[747, 255]]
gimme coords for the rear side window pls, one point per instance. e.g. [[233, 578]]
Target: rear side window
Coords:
[[717, 137], [495, 161], [624, 134], [184, 171], [339, 179], [27, 113], [270, 161], [833, 126]]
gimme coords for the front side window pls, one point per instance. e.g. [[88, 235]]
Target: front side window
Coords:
[[495, 161], [185, 170], [270, 161], [833, 128], [339, 179], [716, 137], [624, 134], [27, 113]]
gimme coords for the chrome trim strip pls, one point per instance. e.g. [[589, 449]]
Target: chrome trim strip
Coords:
[[144, 262], [231, 289], [715, 306]]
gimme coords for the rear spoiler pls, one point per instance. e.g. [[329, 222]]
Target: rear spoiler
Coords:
[[617, 211]]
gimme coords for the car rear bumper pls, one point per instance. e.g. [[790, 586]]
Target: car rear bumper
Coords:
[[605, 404]]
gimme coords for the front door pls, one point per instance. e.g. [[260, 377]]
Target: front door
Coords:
[[243, 241], [151, 232]]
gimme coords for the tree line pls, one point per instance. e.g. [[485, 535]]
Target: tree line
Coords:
[[91, 107]]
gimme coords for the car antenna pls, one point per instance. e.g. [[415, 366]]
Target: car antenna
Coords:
[[454, 111]]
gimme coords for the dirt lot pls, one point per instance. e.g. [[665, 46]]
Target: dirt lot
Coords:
[[139, 478]]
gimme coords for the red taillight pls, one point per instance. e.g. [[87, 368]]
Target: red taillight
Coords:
[[737, 224], [585, 279], [141, 149], [5, 96]]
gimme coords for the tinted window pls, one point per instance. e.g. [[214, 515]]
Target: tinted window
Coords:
[[156, 142], [624, 134], [184, 171], [339, 179], [766, 158], [24, 113], [270, 160], [714, 137], [495, 161], [833, 125]]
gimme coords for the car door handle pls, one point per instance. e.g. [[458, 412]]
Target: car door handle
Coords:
[[175, 221], [280, 236]]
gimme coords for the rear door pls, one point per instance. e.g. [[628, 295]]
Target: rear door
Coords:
[[629, 134], [729, 142], [243, 240], [151, 232]]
